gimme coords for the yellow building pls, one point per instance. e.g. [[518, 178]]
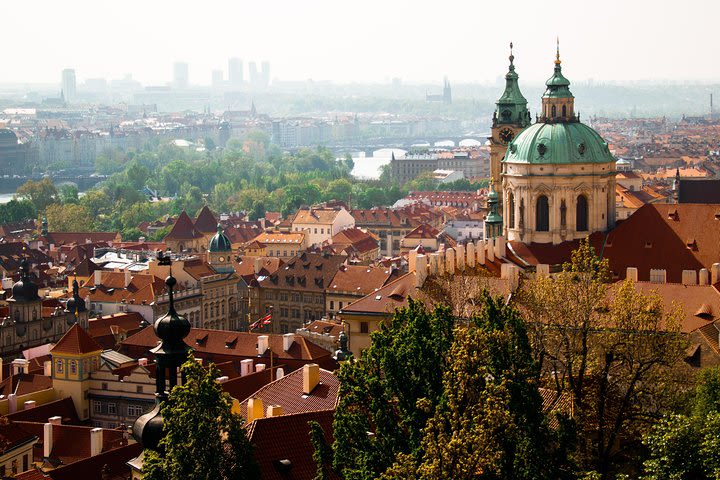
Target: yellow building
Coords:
[[74, 357]]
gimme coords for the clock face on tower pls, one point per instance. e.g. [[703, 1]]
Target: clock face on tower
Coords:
[[506, 135]]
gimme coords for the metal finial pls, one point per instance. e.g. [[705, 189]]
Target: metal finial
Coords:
[[557, 55], [512, 57]]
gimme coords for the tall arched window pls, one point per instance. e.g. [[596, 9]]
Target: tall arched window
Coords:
[[564, 111], [511, 210], [581, 214], [542, 214]]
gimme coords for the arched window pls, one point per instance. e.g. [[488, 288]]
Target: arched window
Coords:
[[553, 111], [542, 214], [564, 111], [581, 214], [511, 210]]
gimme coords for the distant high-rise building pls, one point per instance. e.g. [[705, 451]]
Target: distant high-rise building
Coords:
[[235, 71], [181, 75], [68, 85], [265, 74], [217, 78], [259, 78], [252, 67]]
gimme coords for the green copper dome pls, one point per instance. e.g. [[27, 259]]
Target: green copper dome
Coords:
[[558, 143], [220, 242]]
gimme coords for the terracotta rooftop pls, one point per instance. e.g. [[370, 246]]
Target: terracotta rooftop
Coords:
[[142, 288], [101, 329], [76, 341], [241, 388], [674, 237], [288, 393], [286, 438], [275, 238], [423, 231], [65, 238], [206, 221], [25, 383], [308, 272], [238, 344], [360, 280], [318, 216], [64, 408], [323, 327], [183, 229]]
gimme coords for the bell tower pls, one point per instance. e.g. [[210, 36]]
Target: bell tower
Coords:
[[510, 117]]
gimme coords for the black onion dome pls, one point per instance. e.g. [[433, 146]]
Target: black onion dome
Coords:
[[148, 429], [75, 304], [171, 328], [24, 290]]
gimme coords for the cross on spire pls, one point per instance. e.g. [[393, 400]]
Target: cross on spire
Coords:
[[557, 55]]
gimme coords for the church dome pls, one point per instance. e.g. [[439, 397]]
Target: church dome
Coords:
[[220, 242], [559, 143], [24, 290]]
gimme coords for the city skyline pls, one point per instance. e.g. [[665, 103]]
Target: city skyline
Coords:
[[372, 44]]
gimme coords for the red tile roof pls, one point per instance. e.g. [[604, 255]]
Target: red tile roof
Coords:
[[359, 279], [76, 341], [206, 221], [65, 238], [241, 388], [25, 383], [288, 393], [183, 229], [64, 408], [215, 342], [286, 437], [665, 236]]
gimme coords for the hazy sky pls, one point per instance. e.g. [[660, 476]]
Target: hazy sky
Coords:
[[366, 41]]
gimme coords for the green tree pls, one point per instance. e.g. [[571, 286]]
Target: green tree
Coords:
[[17, 210], [68, 218], [340, 189], [322, 452], [41, 193], [615, 358], [203, 439], [68, 193], [137, 174], [388, 396], [97, 202]]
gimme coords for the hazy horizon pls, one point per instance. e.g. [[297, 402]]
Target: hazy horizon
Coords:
[[368, 42]]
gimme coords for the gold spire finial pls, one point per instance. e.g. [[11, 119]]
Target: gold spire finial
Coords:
[[557, 55]]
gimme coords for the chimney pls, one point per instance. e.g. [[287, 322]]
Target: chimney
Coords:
[[246, 367], [96, 441], [311, 377], [279, 373], [128, 277], [259, 367], [450, 261], [12, 403], [98, 277], [421, 268], [274, 410], [257, 264], [254, 409], [222, 379], [460, 257], [288, 340], [500, 246], [47, 369], [632, 274], [30, 404], [715, 273], [199, 360], [47, 439], [542, 269], [689, 277], [262, 344], [481, 252], [20, 365], [142, 361], [412, 260], [55, 420], [704, 276], [659, 274], [470, 254]]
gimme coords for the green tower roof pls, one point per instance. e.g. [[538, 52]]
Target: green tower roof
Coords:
[[220, 242], [557, 85], [512, 106]]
